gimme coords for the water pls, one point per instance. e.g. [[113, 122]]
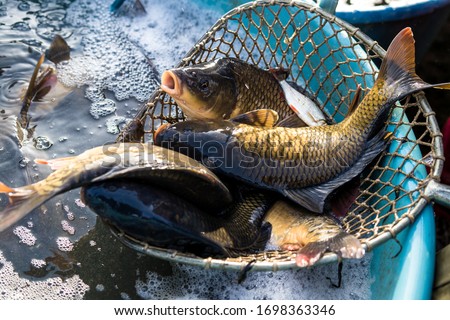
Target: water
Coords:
[[61, 250]]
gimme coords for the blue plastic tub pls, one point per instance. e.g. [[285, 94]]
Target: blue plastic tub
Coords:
[[382, 23], [407, 273]]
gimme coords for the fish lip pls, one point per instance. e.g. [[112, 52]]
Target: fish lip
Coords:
[[171, 84]]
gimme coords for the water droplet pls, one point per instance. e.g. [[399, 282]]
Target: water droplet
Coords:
[[21, 26], [42, 143], [62, 139], [23, 6], [23, 162]]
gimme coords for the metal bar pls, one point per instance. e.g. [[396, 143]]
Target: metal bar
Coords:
[[438, 192]]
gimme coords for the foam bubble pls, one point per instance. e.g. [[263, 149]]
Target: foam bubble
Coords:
[[102, 108], [38, 263], [114, 124], [64, 244], [170, 28], [80, 203], [67, 227], [100, 288], [25, 235], [12, 286], [189, 282], [110, 61], [125, 296]]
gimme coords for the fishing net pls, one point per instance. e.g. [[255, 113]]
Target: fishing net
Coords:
[[329, 58]]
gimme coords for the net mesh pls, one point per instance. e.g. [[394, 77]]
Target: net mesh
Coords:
[[329, 58]]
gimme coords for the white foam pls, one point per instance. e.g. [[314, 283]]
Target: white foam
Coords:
[[110, 61], [67, 227], [38, 263], [25, 235], [166, 40], [12, 286], [64, 244], [193, 283], [80, 203], [114, 124], [100, 288]]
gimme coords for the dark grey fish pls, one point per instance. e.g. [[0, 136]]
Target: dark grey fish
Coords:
[[163, 219]]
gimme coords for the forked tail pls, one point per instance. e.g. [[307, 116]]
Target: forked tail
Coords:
[[398, 69], [397, 79]]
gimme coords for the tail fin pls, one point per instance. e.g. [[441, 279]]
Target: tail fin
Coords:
[[22, 201], [398, 68]]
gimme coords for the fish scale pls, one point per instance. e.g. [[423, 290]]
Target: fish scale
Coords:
[[314, 161], [257, 89], [281, 145]]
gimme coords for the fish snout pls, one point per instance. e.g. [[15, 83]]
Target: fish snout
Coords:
[[170, 83]]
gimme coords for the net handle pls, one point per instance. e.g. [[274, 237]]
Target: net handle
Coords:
[[438, 192]]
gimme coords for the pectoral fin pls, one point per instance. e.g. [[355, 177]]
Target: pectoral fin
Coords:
[[292, 122], [259, 118]]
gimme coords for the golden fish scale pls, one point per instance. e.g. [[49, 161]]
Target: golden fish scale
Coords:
[[311, 155], [74, 169], [258, 89], [91, 161], [368, 110], [290, 225]]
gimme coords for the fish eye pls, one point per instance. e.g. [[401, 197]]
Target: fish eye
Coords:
[[204, 84]]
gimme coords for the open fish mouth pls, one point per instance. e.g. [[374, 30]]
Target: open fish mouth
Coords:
[[170, 83]]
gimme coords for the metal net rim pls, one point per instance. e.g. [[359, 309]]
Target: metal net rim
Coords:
[[265, 262]]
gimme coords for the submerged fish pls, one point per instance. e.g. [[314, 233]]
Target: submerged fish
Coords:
[[41, 84], [227, 87], [310, 234], [305, 164], [163, 219], [143, 162]]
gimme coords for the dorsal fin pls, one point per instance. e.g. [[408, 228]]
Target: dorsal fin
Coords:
[[258, 118], [355, 101]]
